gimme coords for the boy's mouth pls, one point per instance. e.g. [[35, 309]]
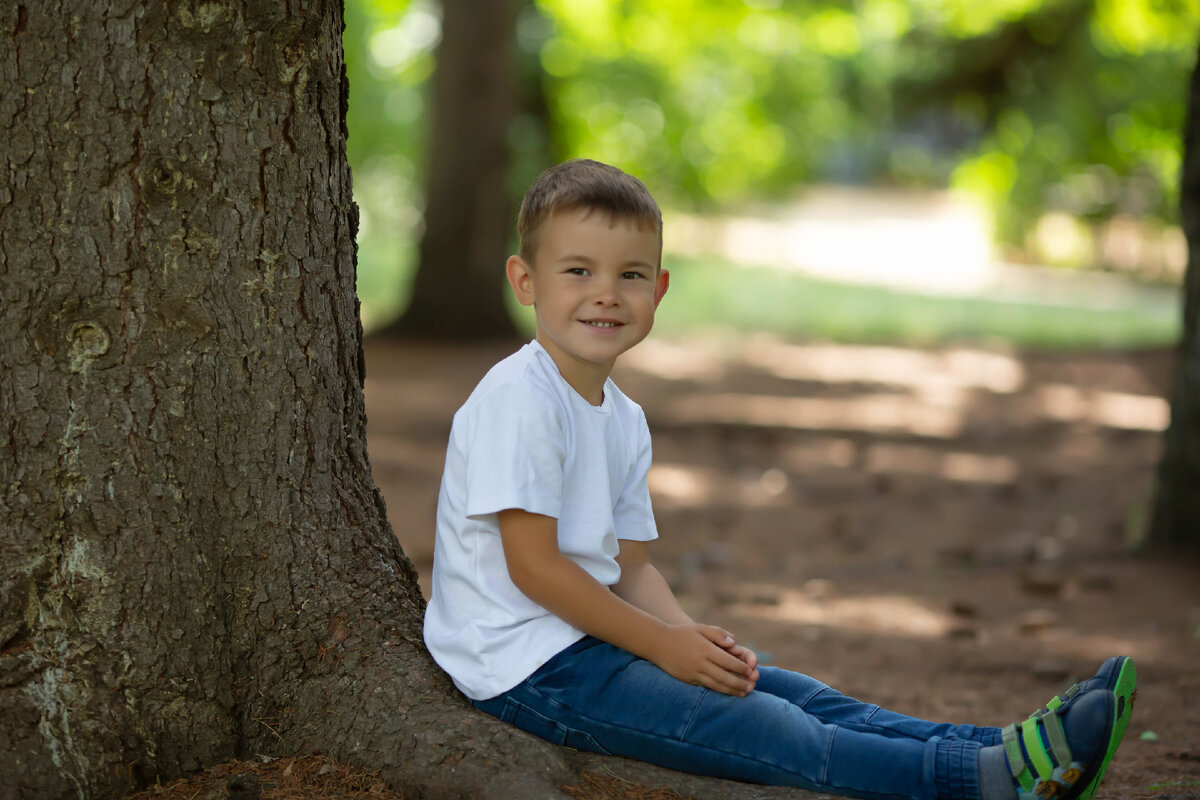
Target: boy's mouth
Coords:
[[602, 323]]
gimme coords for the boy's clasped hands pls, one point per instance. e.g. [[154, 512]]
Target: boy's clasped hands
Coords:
[[708, 656]]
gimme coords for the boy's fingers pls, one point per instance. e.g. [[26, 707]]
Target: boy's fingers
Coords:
[[727, 662], [725, 682], [732, 673], [747, 655], [735, 670], [718, 636], [724, 640]]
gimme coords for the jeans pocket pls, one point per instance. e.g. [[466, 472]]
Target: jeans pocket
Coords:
[[531, 721], [581, 740]]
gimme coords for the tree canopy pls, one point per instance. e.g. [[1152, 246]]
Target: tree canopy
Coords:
[[1033, 105]]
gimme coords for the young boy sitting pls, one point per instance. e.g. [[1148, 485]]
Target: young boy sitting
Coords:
[[548, 612]]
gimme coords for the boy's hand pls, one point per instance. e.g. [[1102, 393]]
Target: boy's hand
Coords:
[[748, 656], [704, 655]]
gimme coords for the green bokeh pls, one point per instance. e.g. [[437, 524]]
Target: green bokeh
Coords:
[[1033, 106], [711, 294]]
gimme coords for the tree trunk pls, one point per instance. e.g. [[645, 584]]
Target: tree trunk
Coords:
[[458, 292], [1176, 518], [197, 564]]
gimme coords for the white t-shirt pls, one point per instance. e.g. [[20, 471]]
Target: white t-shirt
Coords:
[[525, 439]]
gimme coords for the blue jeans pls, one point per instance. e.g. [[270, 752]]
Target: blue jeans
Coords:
[[792, 730]]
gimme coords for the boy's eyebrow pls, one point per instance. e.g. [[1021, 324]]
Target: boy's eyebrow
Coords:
[[582, 259]]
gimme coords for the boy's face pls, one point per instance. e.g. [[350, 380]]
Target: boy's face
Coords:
[[594, 284]]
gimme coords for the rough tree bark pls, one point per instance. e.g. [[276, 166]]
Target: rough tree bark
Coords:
[[1176, 517], [458, 292], [196, 562]]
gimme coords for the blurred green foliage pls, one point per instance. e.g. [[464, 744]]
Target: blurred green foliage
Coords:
[[1033, 105], [389, 58], [797, 306], [792, 305]]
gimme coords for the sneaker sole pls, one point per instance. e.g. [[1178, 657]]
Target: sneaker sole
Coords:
[[1124, 689]]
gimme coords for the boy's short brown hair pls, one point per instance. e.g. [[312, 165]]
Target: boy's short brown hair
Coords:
[[582, 183]]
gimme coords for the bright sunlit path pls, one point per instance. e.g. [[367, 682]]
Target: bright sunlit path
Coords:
[[936, 242]]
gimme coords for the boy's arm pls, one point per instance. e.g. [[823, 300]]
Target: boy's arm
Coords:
[[642, 585], [696, 654]]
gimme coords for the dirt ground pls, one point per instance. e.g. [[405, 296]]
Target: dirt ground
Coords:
[[945, 532]]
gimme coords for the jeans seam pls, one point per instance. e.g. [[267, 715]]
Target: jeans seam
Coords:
[[828, 756], [687, 724], [814, 693]]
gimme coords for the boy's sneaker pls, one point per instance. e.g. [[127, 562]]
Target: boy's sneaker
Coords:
[[1118, 674], [1064, 752]]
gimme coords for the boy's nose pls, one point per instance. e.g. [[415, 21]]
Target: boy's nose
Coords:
[[606, 293]]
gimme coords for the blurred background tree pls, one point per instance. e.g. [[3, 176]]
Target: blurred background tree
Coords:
[[1175, 522], [1061, 116], [454, 123], [456, 291]]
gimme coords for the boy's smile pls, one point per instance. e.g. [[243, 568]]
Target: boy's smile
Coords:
[[595, 285]]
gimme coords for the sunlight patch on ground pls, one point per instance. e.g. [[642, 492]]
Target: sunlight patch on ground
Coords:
[[682, 485], [928, 393], [1144, 649], [704, 360], [904, 616], [959, 467], [959, 368], [1106, 409], [874, 414], [891, 614], [672, 360]]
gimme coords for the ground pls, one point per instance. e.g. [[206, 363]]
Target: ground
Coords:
[[946, 532]]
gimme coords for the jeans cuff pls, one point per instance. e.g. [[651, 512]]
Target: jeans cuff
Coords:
[[956, 769], [987, 736]]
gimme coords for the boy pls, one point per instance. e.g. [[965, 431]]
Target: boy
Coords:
[[548, 613]]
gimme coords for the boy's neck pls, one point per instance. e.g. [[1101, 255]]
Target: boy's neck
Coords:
[[585, 377]]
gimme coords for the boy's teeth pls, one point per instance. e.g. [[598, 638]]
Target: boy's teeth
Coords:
[[603, 324]]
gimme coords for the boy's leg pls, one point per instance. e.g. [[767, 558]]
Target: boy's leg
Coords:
[[597, 697], [829, 705]]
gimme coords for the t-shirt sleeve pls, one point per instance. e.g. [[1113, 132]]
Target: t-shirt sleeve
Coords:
[[515, 453], [633, 516]]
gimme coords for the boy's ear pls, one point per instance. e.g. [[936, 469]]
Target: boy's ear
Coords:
[[660, 286], [520, 278]]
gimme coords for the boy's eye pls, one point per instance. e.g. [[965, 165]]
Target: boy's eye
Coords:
[[577, 271], [632, 275]]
